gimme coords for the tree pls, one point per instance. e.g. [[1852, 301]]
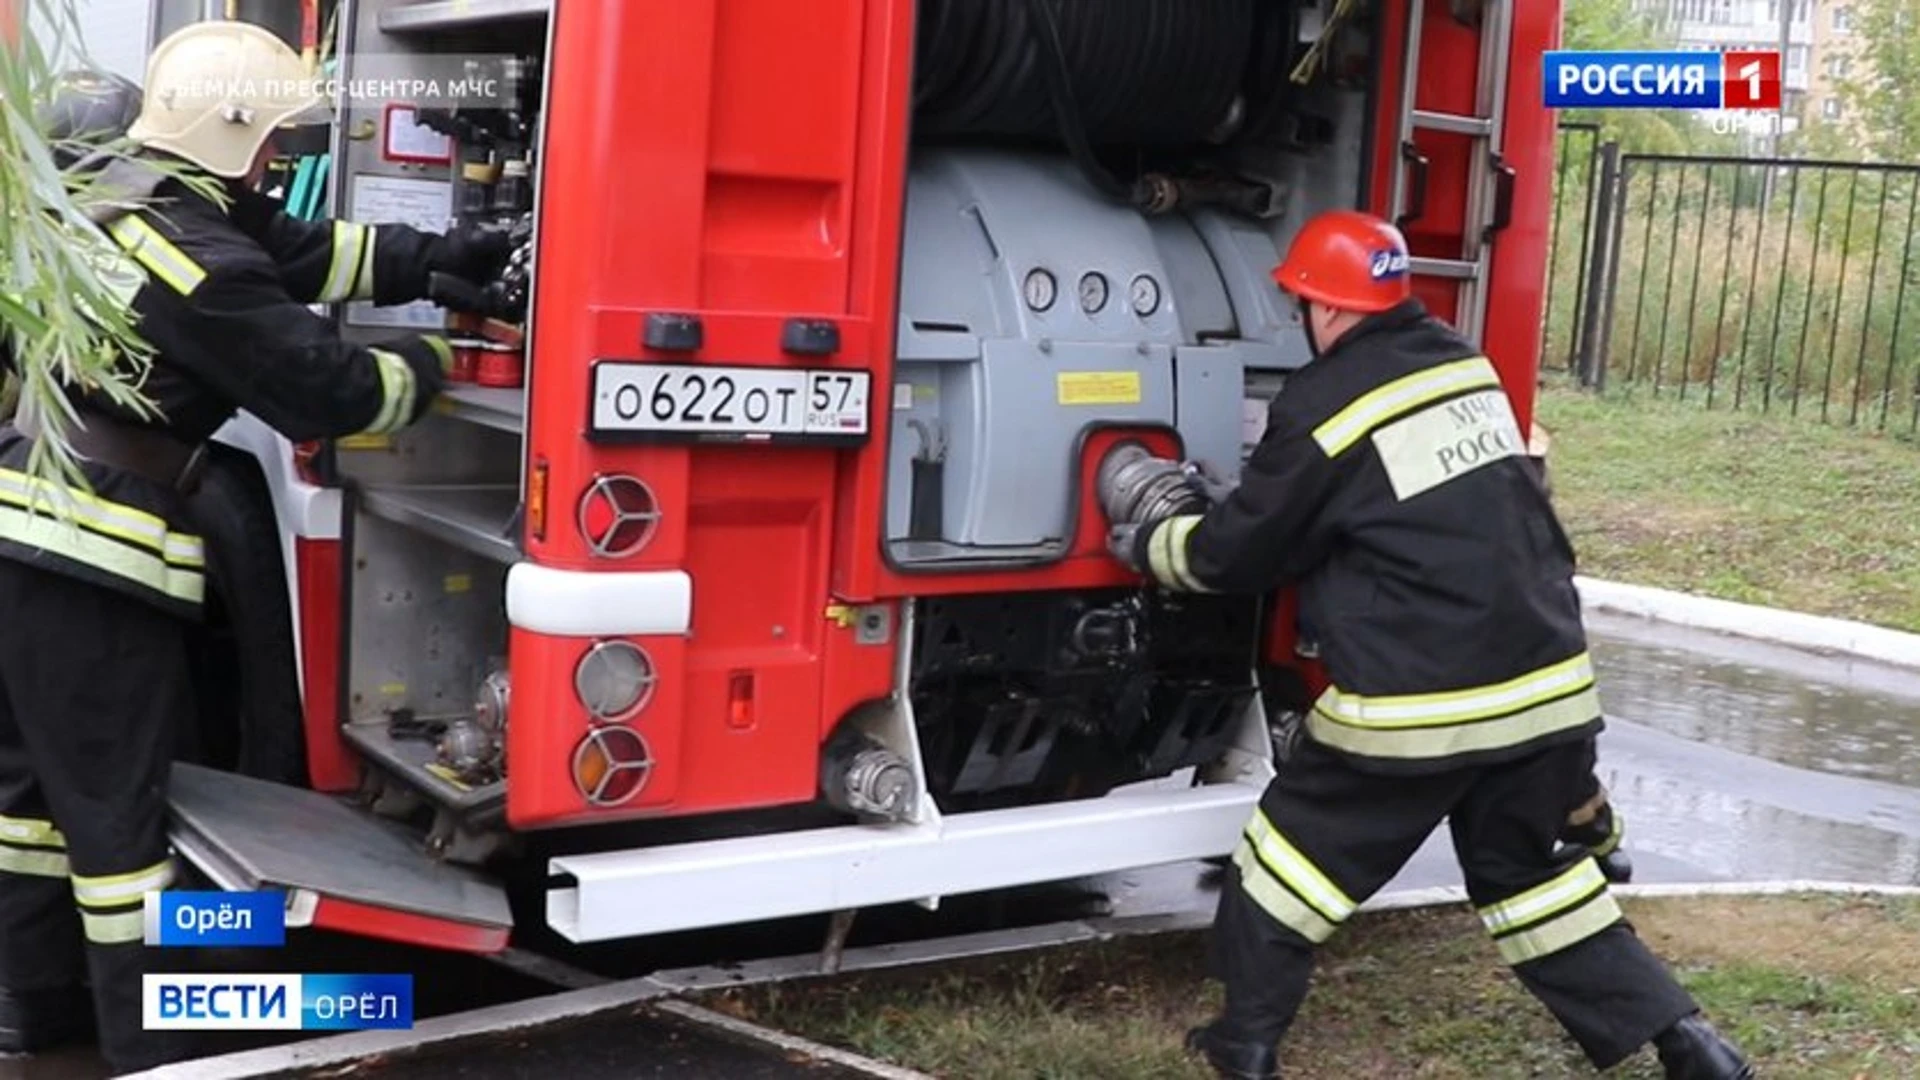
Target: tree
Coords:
[[1885, 97], [1616, 25], [65, 287]]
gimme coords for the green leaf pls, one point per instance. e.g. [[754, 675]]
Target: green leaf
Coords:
[[65, 317]]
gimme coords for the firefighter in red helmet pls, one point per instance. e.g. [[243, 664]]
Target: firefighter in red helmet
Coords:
[[1393, 489]]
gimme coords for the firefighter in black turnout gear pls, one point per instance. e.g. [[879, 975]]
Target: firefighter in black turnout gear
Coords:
[[94, 677], [1392, 488]]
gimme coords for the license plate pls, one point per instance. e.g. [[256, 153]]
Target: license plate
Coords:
[[705, 402]]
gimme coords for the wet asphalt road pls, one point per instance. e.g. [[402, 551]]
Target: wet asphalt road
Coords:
[[1732, 761]]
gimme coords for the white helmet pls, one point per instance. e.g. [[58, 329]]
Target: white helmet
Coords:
[[217, 90]]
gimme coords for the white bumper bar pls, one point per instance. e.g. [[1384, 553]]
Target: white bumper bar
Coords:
[[718, 883], [574, 603]]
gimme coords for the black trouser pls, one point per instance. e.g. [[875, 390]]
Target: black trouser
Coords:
[[93, 685], [1327, 836]]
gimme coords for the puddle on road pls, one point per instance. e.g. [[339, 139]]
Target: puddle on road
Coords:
[[1799, 709]]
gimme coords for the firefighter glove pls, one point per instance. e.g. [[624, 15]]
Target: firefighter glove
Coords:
[[476, 253], [1203, 479]]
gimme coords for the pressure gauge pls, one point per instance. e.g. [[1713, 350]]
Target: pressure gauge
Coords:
[[1040, 289], [1144, 295], [1093, 292]]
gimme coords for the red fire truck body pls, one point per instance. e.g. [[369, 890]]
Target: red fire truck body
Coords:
[[686, 659]]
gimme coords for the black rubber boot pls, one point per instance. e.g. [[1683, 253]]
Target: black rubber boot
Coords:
[[1233, 1059], [35, 1020], [1693, 1050]]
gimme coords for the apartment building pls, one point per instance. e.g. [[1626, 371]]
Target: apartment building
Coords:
[[1822, 49], [1837, 59]]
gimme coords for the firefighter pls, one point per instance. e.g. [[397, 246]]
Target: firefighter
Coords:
[[1391, 486], [94, 679]]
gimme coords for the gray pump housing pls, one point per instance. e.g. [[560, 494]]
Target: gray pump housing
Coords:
[[1033, 309]]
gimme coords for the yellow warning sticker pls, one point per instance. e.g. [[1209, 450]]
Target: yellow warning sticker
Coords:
[[448, 776], [365, 442], [1099, 387], [459, 583], [393, 689]]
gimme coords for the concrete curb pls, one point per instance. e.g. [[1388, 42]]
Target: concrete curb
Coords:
[[1813, 633], [661, 986]]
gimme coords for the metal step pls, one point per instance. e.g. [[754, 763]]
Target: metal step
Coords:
[[1477, 126], [249, 834]]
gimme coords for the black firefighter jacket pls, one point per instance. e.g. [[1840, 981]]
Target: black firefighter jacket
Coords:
[[1392, 486], [224, 306]]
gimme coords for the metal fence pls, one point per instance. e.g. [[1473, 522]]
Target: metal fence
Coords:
[[1765, 284]]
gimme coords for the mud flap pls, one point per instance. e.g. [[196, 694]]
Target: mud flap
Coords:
[[342, 868]]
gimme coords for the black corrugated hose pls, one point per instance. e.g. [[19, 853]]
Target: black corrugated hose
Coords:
[[1094, 74]]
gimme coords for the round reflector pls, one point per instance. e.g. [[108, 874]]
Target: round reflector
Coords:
[[611, 765]]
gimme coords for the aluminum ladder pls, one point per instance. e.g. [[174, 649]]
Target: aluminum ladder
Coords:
[[1490, 179]]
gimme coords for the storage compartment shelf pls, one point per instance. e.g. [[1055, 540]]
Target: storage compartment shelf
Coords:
[[413, 759], [502, 409], [480, 518], [453, 14]]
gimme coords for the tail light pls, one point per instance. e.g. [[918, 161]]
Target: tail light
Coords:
[[537, 502], [614, 681], [740, 700], [611, 765], [618, 516]]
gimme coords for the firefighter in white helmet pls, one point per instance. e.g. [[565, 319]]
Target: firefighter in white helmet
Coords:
[[94, 679]]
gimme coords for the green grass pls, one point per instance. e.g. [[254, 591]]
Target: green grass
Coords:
[[1760, 509], [1809, 986]]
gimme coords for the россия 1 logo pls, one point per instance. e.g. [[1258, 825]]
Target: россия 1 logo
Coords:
[[1662, 80]]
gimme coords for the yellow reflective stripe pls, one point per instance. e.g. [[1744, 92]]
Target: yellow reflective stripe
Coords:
[[343, 270], [185, 551], [117, 520], [36, 832], [109, 890], [102, 553], [119, 928], [1278, 854], [1167, 553], [1377, 406], [158, 254], [1455, 738], [396, 394], [1559, 933], [1287, 909], [1459, 706], [1553, 895], [49, 864]]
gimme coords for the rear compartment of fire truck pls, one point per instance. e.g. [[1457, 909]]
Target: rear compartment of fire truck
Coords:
[[1095, 197]]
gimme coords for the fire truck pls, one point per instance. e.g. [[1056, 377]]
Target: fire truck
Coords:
[[754, 563]]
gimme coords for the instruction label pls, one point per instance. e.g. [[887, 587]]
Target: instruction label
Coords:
[[1099, 387], [423, 204]]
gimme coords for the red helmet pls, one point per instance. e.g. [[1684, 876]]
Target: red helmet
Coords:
[[1349, 260]]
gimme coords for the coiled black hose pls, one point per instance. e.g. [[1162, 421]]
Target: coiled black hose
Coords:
[[1093, 74], [1152, 72]]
